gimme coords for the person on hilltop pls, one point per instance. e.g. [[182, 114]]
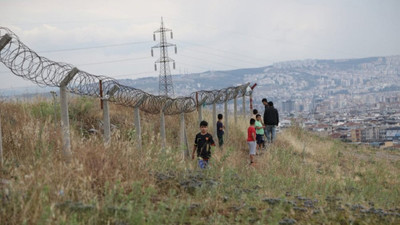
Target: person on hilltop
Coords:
[[220, 131], [265, 103], [202, 143], [259, 133], [271, 120], [251, 140]]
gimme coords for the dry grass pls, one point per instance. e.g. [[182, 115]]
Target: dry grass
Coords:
[[123, 185]]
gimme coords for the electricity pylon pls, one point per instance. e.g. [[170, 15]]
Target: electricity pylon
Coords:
[[165, 85]]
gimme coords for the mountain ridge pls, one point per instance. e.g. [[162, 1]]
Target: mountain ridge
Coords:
[[289, 79]]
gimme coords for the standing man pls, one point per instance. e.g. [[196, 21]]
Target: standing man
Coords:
[[271, 120], [265, 103]]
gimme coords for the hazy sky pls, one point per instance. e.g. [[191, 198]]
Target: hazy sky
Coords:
[[114, 38]]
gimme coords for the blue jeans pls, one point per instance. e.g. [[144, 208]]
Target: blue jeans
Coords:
[[203, 163], [270, 133]]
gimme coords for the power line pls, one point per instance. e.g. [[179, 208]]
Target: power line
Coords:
[[210, 61], [103, 62], [132, 74], [114, 61], [94, 47], [68, 22], [231, 55], [195, 24], [224, 56], [222, 50], [122, 75], [141, 58], [308, 46], [202, 67]]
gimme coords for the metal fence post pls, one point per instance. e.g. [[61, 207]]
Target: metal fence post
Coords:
[[162, 130], [137, 127], [214, 119], [184, 146], [186, 143], [226, 119], [235, 109], [54, 94], [106, 115], [251, 104], [106, 123], [1, 146], [244, 106], [66, 152], [200, 112], [200, 108]]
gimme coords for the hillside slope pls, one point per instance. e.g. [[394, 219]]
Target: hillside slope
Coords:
[[301, 178]]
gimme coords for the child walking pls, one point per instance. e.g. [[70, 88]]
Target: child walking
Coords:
[[203, 143], [220, 131], [259, 133], [251, 140]]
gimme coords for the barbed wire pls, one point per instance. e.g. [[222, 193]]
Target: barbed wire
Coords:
[[26, 63]]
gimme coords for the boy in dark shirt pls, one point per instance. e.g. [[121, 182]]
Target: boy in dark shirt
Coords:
[[220, 131], [203, 143]]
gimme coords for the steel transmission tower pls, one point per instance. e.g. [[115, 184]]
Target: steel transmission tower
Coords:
[[165, 79]]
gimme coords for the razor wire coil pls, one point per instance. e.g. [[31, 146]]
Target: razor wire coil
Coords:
[[26, 63]]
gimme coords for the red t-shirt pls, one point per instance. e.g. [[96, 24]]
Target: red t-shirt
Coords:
[[250, 131]]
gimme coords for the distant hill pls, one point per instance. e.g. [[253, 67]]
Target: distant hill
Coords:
[[286, 80], [293, 78], [27, 92], [188, 83]]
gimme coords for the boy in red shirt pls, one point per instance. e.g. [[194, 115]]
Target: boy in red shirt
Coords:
[[251, 140]]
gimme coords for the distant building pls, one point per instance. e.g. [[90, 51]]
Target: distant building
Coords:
[[315, 103], [367, 134], [375, 134], [356, 135], [393, 133], [288, 106], [301, 108], [371, 134]]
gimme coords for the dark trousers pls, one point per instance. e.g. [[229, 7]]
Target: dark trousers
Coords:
[[220, 140]]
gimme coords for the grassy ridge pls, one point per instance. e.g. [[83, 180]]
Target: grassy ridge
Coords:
[[301, 178]]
